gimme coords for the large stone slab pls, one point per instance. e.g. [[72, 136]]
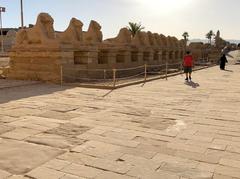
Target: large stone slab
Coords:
[[20, 157]]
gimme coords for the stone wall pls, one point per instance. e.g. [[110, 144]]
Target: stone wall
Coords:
[[40, 53]]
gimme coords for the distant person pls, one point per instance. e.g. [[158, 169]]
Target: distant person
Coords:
[[223, 61], [188, 64]]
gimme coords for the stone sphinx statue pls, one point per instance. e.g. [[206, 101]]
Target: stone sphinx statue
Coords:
[[94, 33], [175, 42], [182, 43], [124, 37], [157, 39], [163, 40], [73, 34], [42, 33], [152, 39], [10, 38], [141, 39], [170, 42], [146, 40]]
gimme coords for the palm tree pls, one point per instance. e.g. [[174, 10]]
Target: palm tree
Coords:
[[135, 27], [185, 36], [209, 36]]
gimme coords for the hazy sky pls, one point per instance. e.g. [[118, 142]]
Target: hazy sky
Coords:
[[169, 17]]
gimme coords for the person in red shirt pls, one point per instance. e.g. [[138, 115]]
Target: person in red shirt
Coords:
[[188, 64]]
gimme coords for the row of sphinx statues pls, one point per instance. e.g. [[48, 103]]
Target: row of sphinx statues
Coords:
[[43, 33]]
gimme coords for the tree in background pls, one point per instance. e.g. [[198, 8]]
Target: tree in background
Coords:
[[185, 36], [209, 36], [135, 27]]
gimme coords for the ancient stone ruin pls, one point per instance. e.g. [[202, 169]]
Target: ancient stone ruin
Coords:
[[208, 52], [40, 53]]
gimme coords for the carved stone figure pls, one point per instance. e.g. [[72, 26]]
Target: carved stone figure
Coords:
[[146, 40], [141, 39], [94, 33], [10, 39], [163, 40], [175, 42], [11, 34], [124, 37], [152, 39], [41, 33], [137, 39], [73, 34], [157, 39], [182, 43]]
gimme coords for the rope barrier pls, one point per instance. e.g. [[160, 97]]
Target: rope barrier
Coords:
[[129, 77], [157, 65], [171, 64], [159, 72], [90, 70], [127, 69], [93, 79], [82, 78], [110, 76]]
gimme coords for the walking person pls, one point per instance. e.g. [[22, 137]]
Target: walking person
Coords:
[[188, 64], [223, 61]]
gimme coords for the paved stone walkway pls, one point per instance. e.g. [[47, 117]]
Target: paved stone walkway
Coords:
[[162, 130]]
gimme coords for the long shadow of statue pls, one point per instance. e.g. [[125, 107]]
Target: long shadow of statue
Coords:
[[192, 84]]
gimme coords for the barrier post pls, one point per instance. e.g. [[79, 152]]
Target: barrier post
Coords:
[[114, 77], [181, 68], [166, 70], [104, 74], [61, 75], [145, 72]]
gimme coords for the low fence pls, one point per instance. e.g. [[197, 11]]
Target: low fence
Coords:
[[115, 78]]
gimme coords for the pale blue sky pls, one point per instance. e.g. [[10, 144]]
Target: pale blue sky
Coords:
[[169, 17]]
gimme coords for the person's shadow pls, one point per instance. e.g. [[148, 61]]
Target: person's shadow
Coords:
[[228, 70], [192, 84]]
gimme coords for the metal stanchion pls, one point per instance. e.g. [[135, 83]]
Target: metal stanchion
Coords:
[[166, 70], [104, 74], [181, 68], [114, 77], [145, 72], [61, 73]]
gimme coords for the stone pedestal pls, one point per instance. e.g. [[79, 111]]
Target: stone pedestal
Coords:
[[41, 65]]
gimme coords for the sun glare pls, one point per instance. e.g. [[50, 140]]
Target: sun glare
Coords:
[[164, 6]]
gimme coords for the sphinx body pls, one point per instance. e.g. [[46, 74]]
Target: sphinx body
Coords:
[[94, 33], [73, 34], [123, 37], [42, 33]]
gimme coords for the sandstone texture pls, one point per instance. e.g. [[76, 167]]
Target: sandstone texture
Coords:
[[41, 53]]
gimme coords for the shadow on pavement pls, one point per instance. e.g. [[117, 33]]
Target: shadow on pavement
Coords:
[[192, 84], [108, 93], [16, 93], [228, 71]]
